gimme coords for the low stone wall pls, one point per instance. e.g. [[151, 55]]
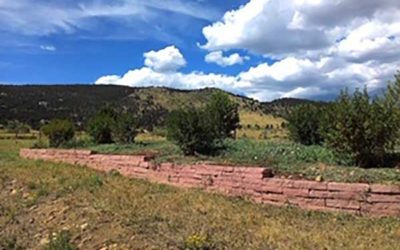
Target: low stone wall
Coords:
[[256, 184]]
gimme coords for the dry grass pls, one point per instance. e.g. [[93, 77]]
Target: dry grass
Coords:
[[100, 210], [254, 126], [262, 120], [149, 137]]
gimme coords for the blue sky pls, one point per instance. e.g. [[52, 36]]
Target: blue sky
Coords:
[[110, 46], [265, 49]]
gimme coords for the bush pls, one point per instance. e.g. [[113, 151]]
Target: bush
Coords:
[[192, 130], [101, 125], [305, 123], [59, 132], [224, 114], [160, 131], [125, 129], [362, 128], [17, 127], [204, 130]]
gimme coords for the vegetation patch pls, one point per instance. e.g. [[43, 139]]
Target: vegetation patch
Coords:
[[132, 214]]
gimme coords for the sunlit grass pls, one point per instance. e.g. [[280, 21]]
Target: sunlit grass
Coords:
[[134, 214], [257, 126]]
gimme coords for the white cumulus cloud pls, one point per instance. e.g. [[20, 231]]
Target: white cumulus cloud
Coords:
[[321, 46], [167, 59], [224, 61], [262, 26], [278, 28], [161, 70], [318, 47]]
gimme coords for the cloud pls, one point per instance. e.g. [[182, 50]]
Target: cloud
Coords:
[[281, 28], [320, 46], [291, 77], [48, 48], [144, 77], [54, 17], [165, 60], [261, 26], [218, 58], [161, 70]]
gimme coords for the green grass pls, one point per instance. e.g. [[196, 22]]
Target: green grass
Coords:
[[286, 159], [133, 214], [98, 210]]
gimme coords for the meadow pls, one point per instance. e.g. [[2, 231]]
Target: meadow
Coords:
[[286, 159], [59, 206]]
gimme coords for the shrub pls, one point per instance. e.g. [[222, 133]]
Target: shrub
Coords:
[[192, 130], [17, 127], [304, 124], [224, 114], [59, 132], [160, 131], [362, 128], [100, 126], [203, 130], [125, 129]]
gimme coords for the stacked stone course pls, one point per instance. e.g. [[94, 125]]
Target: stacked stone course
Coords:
[[257, 184]]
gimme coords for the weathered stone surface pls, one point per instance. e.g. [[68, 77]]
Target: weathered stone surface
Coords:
[[383, 198], [256, 184], [296, 192], [345, 204], [385, 189], [350, 187]]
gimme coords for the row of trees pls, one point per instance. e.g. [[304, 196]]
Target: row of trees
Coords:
[[107, 126], [358, 127], [194, 130]]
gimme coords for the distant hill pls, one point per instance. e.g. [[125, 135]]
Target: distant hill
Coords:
[[34, 104], [281, 107]]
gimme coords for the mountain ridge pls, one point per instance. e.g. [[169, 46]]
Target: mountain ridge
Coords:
[[34, 104]]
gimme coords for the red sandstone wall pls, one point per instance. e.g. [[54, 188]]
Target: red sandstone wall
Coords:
[[253, 183]]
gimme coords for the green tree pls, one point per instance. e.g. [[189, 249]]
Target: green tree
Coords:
[[305, 124], [362, 128], [100, 126], [125, 128], [192, 130], [59, 132], [17, 127], [224, 114]]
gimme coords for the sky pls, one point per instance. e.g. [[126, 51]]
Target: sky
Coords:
[[263, 49]]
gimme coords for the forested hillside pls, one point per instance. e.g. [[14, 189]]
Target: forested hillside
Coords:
[[33, 104]]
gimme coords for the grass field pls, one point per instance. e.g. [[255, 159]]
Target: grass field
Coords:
[[55, 206], [254, 126], [286, 159]]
